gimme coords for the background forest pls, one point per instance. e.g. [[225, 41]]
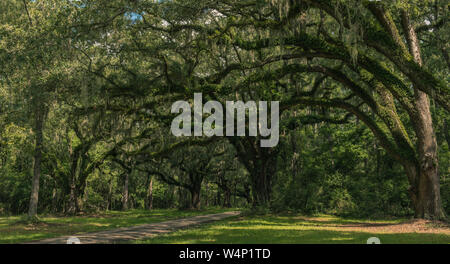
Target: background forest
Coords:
[[86, 89]]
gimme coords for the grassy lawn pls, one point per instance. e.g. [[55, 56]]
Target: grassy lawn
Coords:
[[291, 229], [295, 229], [14, 230]]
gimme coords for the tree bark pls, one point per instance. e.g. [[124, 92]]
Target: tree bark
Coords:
[[261, 184], [424, 177], [261, 164], [195, 203], [73, 197], [34, 197], [195, 196]]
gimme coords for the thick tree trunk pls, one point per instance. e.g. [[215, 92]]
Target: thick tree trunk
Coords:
[[34, 197], [261, 164], [261, 184], [125, 192], [425, 191], [428, 202], [76, 192], [424, 177]]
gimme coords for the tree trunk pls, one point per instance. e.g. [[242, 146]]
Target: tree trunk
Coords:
[[34, 197], [261, 164], [74, 170], [247, 194], [150, 194], [428, 201], [73, 197], [195, 197], [125, 193], [54, 200], [109, 198], [218, 197], [206, 194], [183, 199], [424, 191], [424, 177], [261, 185], [227, 197], [76, 192]]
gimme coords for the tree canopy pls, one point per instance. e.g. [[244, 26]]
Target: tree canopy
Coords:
[[86, 89]]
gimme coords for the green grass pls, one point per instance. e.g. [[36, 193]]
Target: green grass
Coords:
[[289, 229], [297, 230], [14, 229]]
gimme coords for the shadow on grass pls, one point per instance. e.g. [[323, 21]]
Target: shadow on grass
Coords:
[[288, 236], [293, 230]]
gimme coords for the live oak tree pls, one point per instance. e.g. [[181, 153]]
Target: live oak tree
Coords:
[[376, 58]]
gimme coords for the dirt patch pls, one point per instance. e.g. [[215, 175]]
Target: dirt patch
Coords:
[[413, 226], [416, 227]]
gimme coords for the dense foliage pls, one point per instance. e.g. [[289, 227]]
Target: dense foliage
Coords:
[[86, 89]]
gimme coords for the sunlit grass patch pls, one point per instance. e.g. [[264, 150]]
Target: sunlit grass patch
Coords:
[[297, 229]]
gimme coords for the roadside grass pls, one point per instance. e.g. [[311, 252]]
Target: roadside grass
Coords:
[[14, 229], [295, 229]]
